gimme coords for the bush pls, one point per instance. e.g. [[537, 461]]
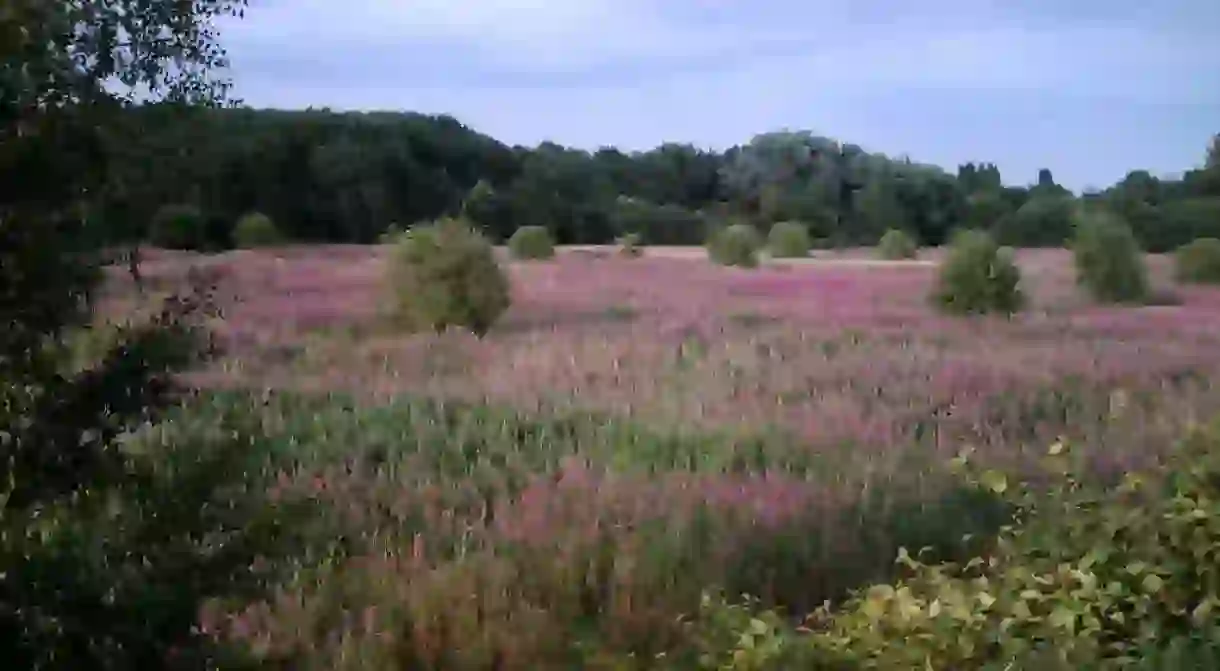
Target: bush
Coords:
[[630, 245], [531, 243], [1090, 578], [978, 277], [445, 274], [789, 239], [1109, 261], [1198, 261], [897, 245], [256, 230], [735, 245], [1087, 577], [178, 227]]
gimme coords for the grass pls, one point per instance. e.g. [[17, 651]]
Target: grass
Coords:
[[635, 433]]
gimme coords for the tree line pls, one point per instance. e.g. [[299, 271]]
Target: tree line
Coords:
[[325, 176]]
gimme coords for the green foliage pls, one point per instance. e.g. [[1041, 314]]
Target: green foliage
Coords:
[[984, 210], [1166, 226], [107, 552], [978, 277], [1198, 261], [735, 245], [789, 239], [897, 245], [256, 229], [631, 245], [1109, 262], [446, 274], [1088, 576], [178, 227], [530, 243], [1043, 221], [115, 576]]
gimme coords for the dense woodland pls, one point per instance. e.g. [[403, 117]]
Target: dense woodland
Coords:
[[348, 177]]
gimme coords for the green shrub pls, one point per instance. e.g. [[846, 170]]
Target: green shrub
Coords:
[[256, 230], [735, 245], [1198, 261], [631, 245], [445, 274], [978, 277], [1126, 577], [178, 227], [1109, 261], [897, 245], [531, 243], [789, 239], [1087, 577]]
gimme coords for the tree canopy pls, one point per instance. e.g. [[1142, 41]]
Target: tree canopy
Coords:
[[347, 177]]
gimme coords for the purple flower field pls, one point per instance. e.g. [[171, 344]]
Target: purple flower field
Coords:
[[857, 386], [827, 348]]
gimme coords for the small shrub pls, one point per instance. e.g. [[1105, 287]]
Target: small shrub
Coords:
[[978, 277], [631, 245], [1198, 262], [897, 245], [735, 245], [531, 243], [1109, 261], [789, 239], [256, 230], [445, 274], [178, 227]]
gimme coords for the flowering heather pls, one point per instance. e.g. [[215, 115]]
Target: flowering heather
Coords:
[[635, 431]]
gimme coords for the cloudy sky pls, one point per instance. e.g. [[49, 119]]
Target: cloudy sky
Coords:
[[1089, 88]]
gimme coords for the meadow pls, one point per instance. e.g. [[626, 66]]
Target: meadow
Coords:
[[637, 433]]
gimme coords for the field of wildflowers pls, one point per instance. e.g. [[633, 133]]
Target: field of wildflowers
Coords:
[[639, 431]]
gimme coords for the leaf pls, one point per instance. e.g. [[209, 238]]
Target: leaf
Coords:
[[1201, 612], [1152, 583], [1063, 618], [995, 481], [758, 627]]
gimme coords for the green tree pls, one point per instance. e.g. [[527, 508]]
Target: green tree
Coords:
[[105, 554], [1043, 221]]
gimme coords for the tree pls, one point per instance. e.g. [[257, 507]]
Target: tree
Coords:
[[1043, 221], [80, 590]]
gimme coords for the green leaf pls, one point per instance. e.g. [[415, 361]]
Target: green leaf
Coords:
[[1152, 583], [995, 481]]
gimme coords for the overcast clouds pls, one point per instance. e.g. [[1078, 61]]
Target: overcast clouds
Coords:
[[1089, 88]]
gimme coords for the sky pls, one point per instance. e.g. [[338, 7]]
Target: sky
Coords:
[[1088, 88]]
